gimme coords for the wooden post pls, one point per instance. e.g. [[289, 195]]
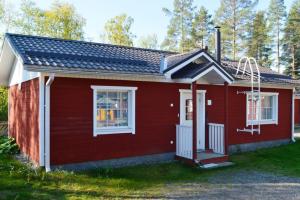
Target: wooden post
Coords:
[[194, 99], [226, 110]]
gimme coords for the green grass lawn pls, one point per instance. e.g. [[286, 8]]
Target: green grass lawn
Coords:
[[17, 181]]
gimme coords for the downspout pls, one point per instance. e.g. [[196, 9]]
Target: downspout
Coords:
[[293, 116], [47, 122]]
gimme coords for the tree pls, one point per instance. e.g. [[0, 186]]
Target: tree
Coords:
[[202, 28], [258, 41], [118, 30], [61, 21], [234, 16], [276, 19], [291, 47], [149, 42], [180, 26], [28, 19]]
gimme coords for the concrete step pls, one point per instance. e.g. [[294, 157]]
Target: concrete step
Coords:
[[216, 165]]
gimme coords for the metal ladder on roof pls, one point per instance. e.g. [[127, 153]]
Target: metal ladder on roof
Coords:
[[254, 93]]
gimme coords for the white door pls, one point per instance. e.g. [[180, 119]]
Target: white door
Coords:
[[186, 114]]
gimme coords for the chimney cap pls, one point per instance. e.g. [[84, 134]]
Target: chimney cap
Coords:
[[217, 27]]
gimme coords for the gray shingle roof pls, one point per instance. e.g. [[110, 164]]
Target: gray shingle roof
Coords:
[[78, 55], [58, 54]]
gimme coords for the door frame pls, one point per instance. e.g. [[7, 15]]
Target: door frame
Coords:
[[200, 114]]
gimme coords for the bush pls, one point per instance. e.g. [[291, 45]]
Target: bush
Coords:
[[3, 104], [8, 145]]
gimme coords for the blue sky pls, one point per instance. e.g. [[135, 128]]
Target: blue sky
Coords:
[[147, 14]]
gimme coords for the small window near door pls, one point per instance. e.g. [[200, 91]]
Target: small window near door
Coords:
[[189, 109]]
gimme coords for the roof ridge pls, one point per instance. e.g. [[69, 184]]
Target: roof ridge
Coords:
[[88, 42]]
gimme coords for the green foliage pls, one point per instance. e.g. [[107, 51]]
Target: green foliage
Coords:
[[291, 47], [276, 19], [117, 30], [202, 28], [259, 40], [3, 104], [180, 26], [8, 145], [19, 181], [60, 21], [234, 16], [149, 42]]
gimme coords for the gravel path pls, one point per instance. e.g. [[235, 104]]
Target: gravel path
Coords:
[[239, 185]]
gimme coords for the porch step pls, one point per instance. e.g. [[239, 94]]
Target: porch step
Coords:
[[206, 158], [205, 151]]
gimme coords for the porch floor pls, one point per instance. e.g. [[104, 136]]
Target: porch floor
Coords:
[[208, 155]]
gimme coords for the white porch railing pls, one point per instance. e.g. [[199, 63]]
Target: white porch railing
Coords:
[[216, 137], [184, 141]]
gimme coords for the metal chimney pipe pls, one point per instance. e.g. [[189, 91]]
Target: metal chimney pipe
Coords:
[[218, 43]]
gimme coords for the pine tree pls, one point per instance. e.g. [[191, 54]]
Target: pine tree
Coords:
[[180, 27], [258, 40], [202, 28], [234, 17], [276, 19], [291, 47]]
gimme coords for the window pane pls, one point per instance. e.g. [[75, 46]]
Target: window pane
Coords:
[[112, 109], [101, 109], [252, 109], [267, 107], [188, 109]]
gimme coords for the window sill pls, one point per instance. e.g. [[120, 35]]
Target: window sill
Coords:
[[269, 122], [113, 131]]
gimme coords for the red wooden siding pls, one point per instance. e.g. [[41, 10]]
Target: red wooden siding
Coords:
[[237, 114], [72, 119], [297, 111], [24, 117], [237, 118]]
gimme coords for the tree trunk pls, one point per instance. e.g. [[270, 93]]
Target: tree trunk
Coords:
[[293, 72], [234, 30], [278, 46]]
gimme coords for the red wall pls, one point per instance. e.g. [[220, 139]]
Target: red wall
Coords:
[[24, 117], [297, 111], [72, 119], [237, 114], [237, 118]]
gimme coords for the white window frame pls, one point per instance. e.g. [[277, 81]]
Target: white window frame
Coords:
[[275, 110], [131, 110]]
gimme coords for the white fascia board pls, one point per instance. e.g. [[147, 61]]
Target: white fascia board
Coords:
[[170, 72], [213, 67], [117, 88]]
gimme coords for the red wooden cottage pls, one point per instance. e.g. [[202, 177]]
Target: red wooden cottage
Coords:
[[75, 104]]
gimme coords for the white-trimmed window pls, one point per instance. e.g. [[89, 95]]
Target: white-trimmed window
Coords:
[[114, 109], [267, 112]]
